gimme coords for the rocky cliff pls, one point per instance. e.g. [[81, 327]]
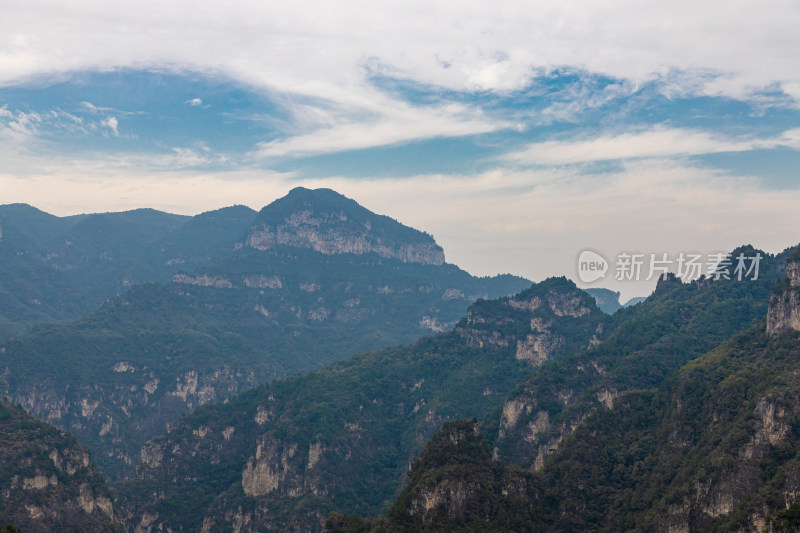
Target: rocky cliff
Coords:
[[58, 268], [47, 481], [713, 447], [281, 457], [641, 347], [327, 222], [531, 322], [784, 306], [122, 374], [455, 486]]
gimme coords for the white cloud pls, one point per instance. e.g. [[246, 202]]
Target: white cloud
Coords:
[[92, 108], [19, 128], [317, 57], [320, 48], [395, 126], [656, 142], [316, 51], [111, 123], [96, 110]]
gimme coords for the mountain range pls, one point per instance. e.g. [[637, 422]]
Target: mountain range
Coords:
[[315, 366], [714, 447], [247, 314]]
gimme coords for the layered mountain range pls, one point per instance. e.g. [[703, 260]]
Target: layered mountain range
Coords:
[[315, 366], [713, 447], [63, 267], [282, 456], [243, 316]]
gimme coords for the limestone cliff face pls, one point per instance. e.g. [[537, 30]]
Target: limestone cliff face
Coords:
[[132, 408], [549, 406], [278, 471], [455, 486], [721, 493], [540, 344], [320, 232], [436, 493], [784, 306], [332, 224], [47, 481], [271, 469], [202, 280], [532, 322]]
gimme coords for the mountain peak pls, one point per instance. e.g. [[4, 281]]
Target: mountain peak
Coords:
[[330, 223], [455, 485]]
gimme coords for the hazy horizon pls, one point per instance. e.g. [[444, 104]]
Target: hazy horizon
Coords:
[[517, 133]]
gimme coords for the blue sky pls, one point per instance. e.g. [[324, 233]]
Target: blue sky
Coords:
[[518, 133]]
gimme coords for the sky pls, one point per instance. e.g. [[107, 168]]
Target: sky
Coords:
[[517, 133]]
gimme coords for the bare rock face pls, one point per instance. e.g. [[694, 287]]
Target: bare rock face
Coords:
[[329, 223], [455, 485], [134, 408], [202, 281], [539, 345], [480, 331], [784, 306], [320, 233], [549, 309], [47, 481], [272, 469], [567, 304]]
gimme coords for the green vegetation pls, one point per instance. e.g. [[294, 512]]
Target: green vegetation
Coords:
[[236, 317], [135, 357], [57, 268], [341, 214], [454, 485], [678, 413], [343, 437], [713, 448], [46, 479], [644, 345]]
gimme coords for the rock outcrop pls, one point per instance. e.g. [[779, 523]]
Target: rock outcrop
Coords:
[[647, 347], [545, 309], [455, 485], [784, 306], [329, 223], [47, 481]]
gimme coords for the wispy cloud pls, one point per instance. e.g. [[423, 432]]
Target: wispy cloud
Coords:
[[94, 109], [394, 126], [101, 110], [112, 124], [655, 142], [18, 127]]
